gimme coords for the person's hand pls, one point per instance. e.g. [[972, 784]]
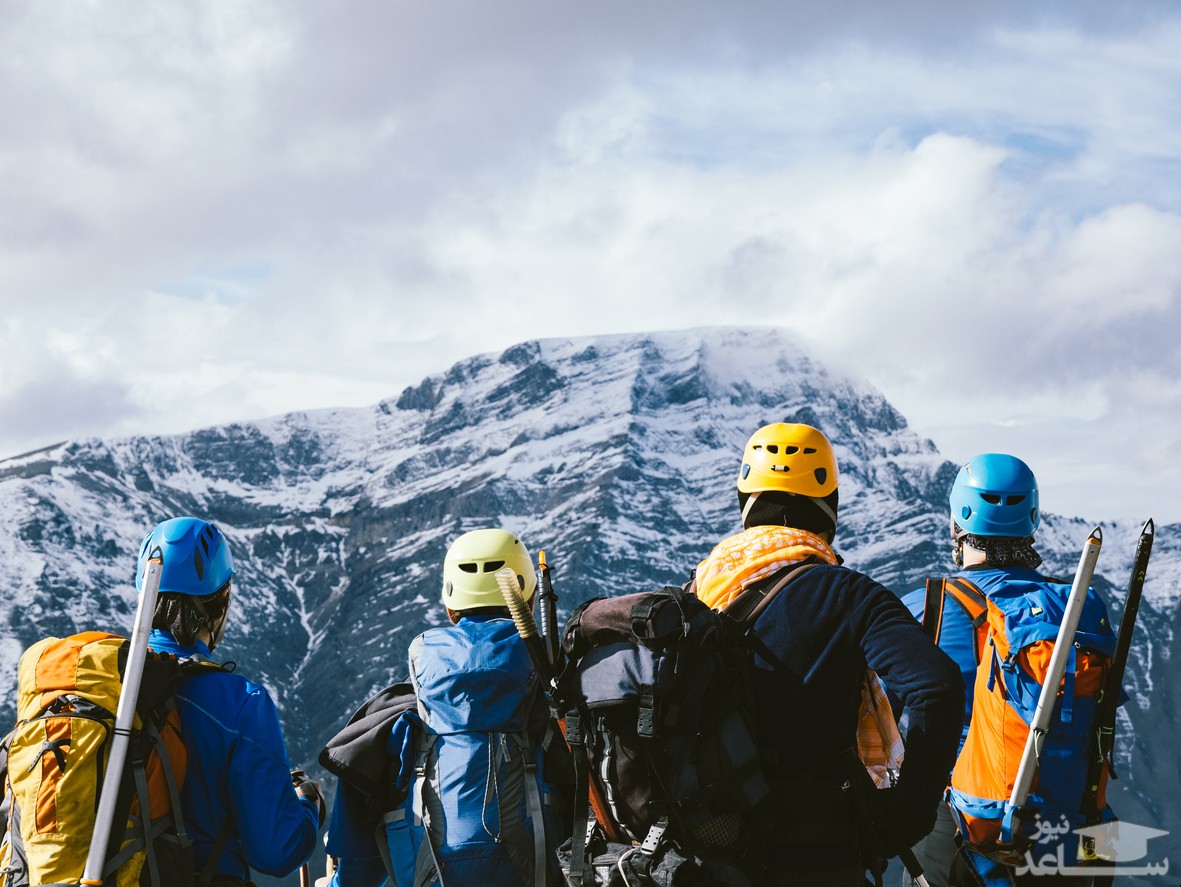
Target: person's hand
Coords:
[[897, 826], [310, 789]]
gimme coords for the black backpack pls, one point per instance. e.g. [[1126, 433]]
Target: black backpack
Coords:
[[660, 720]]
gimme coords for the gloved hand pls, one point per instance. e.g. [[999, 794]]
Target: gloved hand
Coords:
[[897, 826], [310, 789]]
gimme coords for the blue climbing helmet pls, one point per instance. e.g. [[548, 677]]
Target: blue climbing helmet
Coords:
[[995, 494], [196, 555]]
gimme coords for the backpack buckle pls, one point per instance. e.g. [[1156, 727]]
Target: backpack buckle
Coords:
[[655, 835], [646, 716], [573, 728]]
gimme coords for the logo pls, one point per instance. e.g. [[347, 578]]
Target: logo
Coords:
[[1106, 849]]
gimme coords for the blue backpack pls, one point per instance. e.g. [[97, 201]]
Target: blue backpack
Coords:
[[1024, 612], [472, 801]]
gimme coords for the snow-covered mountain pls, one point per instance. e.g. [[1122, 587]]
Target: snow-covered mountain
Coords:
[[615, 454]]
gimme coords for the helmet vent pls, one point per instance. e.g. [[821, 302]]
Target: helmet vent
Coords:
[[772, 448], [1014, 500], [808, 451], [821, 475], [493, 566], [791, 451], [204, 545], [470, 568], [199, 564], [991, 498]]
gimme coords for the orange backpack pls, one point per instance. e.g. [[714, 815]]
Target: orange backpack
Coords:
[[67, 697]]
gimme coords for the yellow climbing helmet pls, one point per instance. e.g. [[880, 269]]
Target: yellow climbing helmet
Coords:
[[469, 569], [788, 457]]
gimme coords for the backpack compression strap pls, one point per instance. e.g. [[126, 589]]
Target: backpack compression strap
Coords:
[[584, 817]]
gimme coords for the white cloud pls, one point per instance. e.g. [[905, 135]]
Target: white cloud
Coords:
[[219, 212]]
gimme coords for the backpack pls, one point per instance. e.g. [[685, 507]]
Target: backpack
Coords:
[[1023, 619], [67, 696], [661, 723], [471, 802]]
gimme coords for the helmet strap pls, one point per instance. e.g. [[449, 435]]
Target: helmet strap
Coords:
[[828, 512], [750, 503]]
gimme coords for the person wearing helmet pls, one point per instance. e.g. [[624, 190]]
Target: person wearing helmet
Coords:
[[995, 510], [811, 648], [238, 798], [475, 698]]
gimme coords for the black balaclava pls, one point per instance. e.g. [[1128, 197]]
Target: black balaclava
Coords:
[[776, 508], [999, 551], [184, 615]]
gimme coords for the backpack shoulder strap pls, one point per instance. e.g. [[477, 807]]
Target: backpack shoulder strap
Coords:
[[750, 603], [427, 866], [974, 603], [933, 608]]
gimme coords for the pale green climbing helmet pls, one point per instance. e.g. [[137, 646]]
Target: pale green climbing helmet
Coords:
[[469, 569]]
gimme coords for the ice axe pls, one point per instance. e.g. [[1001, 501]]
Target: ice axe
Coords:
[[1039, 727], [137, 653]]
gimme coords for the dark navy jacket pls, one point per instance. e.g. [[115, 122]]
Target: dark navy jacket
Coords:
[[238, 768], [813, 644]]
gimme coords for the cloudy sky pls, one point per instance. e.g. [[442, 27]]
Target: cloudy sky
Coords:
[[224, 210]]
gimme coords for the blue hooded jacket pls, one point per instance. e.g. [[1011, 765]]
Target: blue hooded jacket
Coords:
[[238, 770]]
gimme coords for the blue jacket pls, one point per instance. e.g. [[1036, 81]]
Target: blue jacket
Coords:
[[956, 635], [238, 769]]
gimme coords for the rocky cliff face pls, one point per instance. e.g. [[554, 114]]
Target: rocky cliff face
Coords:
[[616, 455]]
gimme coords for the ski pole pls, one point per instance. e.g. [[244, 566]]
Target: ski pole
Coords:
[[549, 612], [1063, 645], [92, 874]]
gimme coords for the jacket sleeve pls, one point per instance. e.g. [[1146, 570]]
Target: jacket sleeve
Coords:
[[929, 685], [277, 828]]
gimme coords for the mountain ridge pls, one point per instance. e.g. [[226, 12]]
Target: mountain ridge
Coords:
[[616, 454]]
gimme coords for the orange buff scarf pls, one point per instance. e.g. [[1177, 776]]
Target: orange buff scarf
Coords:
[[751, 555]]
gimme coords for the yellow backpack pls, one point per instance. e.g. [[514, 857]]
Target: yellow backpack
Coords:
[[67, 696]]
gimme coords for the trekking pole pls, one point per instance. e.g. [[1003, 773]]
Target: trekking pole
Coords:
[[305, 875], [549, 611], [92, 874], [1063, 646], [526, 626], [527, 629]]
